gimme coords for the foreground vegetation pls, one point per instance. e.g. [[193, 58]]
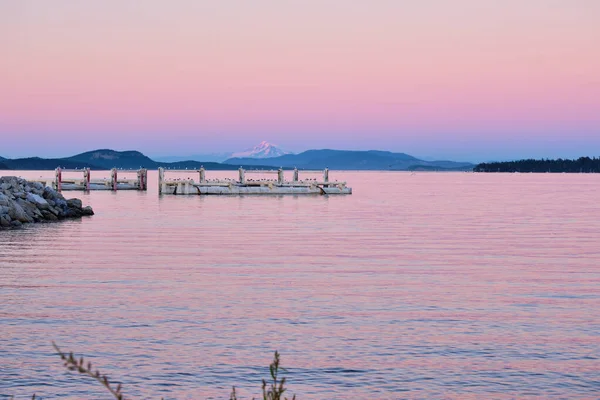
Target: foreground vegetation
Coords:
[[271, 390], [581, 165]]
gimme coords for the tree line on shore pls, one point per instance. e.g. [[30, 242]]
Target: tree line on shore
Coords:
[[581, 165]]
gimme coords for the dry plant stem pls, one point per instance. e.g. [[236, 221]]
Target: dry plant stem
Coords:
[[79, 365], [275, 392]]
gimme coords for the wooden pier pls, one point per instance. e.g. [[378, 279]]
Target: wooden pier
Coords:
[[244, 185], [85, 182]]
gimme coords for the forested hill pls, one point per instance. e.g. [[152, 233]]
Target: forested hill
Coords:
[[582, 164]]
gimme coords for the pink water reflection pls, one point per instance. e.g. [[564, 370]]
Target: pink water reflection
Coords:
[[421, 286]]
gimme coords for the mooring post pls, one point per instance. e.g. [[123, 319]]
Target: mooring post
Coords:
[[86, 178], [113, 178], [161, 178], [242, 176], [295, 174], [145, 178], [58, 175], [326, 175], [142, 175], [280, 176], [202, 174]]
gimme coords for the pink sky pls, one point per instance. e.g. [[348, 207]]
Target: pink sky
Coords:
[[462, 79]]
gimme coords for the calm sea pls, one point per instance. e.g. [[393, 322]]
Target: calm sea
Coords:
[[426, 285]]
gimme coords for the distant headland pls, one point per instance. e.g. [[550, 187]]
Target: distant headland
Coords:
[[581, 165], [371, 160]]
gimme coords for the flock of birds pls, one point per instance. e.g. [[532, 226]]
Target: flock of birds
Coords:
[[231, 180]]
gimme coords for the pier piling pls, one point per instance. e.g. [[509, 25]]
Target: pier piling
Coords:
[[86, 178], [202, 175], [113, 179], [58, 175]]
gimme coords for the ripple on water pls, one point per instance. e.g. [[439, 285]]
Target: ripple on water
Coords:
[[417, 286]]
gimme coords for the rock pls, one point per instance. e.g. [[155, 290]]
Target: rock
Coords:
[[5, 221], [49, 216], [49, 193], [74, 203], [16, 224], [17, 213], [61, 205], [30, 209], [74, 213], [4, 200], [87, 210], [40, 202]]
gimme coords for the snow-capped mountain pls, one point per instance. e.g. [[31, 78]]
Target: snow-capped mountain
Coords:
[[262, 150]]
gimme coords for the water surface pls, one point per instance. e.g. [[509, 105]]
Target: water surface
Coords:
[[426, 285]]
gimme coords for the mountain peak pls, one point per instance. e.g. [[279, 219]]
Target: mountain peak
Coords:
[[262, 150]]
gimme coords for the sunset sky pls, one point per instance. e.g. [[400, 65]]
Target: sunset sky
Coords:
[[456, 79]]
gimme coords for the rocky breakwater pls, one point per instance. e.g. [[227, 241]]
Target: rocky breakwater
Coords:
[[24, 202]]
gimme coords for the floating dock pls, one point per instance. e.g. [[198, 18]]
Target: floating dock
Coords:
[[243, 186], [62, 182]]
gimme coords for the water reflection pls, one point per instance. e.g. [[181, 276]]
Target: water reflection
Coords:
[[427, 285]]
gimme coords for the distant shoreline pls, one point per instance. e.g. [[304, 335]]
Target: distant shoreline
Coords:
[[371, 160], [368, 160], [581, 165]]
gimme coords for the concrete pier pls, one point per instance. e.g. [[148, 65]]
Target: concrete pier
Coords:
[[244, 185], [85, 182]]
